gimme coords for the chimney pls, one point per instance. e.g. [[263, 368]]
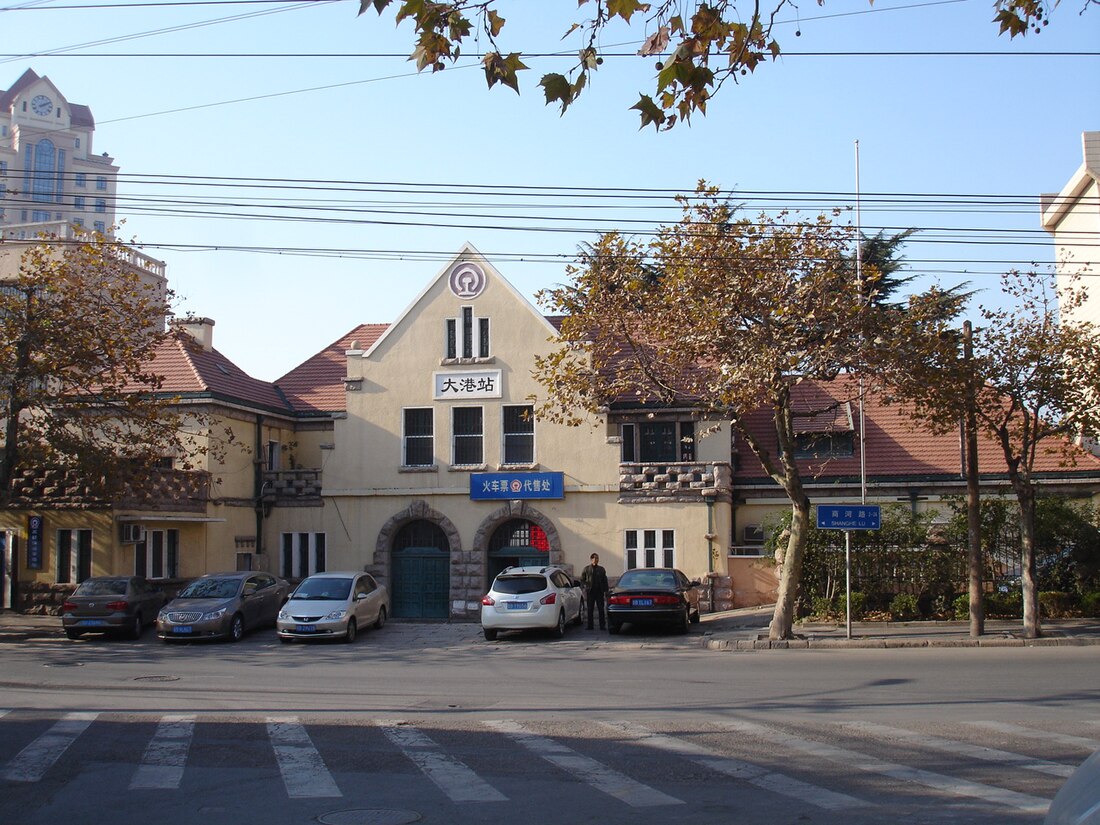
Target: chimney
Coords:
[[201, 329]]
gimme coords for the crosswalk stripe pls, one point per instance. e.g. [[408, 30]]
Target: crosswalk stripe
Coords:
[[753, 774], [966, 749], [166, 755], [599, 776], [31, 763], [1030, 733], [864, 762], [303, 769], [450, 775]]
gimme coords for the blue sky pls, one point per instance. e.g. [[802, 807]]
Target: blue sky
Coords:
[[1000, 124]]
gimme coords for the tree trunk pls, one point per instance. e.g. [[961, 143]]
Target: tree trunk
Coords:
[[1026, 499], [790, 572]]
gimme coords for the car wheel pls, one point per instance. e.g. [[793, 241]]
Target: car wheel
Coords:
[[559, 628], [236, 628], [490, 635], [380, 622], [136, 626], [580, 614], [613, 627], [349, 634], [73, 634], [685, 621]]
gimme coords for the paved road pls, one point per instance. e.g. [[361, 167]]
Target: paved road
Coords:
[[422, 723]]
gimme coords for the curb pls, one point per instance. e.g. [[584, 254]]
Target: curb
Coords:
[[739, 645]]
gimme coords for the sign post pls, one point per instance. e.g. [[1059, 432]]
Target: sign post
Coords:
[[848, 517]]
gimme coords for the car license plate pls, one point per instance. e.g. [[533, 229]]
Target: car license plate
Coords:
[[305, 628], [643, 602], [183, 629], [517, 605], [93, 623]]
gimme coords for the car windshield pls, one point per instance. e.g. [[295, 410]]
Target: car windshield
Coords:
[[519, 584], [647, 578], [210, 589], [328, 589], [102, 587]]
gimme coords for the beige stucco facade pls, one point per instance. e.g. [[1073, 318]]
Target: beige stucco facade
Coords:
[[374, 494], [1072, 216]]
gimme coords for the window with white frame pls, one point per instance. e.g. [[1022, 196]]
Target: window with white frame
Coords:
[[303, 554], [81, 179], [271, 453], [518, 425], [418, 437], [101, 184], [467, 335], [157, 555], [649, 548], [467, 434], [74, 556]]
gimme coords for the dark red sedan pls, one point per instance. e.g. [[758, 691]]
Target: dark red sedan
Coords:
[[653, 595]]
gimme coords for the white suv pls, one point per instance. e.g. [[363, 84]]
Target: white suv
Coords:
[[529, 598]]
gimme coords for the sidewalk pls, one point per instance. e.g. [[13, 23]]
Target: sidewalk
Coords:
[[747, 629]]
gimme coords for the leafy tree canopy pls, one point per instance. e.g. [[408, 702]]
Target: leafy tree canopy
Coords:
[[700, 46], [79, 330]]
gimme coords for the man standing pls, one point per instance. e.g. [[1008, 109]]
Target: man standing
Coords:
[[594, 579]]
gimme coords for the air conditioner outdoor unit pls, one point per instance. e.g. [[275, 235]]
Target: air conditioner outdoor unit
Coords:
[[130, 533], [753, 534]]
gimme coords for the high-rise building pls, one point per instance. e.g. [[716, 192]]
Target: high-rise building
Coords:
[[50, 178]]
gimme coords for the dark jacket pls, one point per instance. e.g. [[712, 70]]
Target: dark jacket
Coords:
[[594, 579]]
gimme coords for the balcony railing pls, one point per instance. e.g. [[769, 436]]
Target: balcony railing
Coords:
[[292, 486], [33, 233], [679, 481]]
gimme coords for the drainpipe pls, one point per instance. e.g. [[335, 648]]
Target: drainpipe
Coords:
[[258, 483]]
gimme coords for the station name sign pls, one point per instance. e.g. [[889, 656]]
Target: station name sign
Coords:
[[849, 517], [489, 486], [467, 384]]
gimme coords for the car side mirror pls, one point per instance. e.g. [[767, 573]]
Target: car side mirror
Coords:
[[577, 583], [360, 596]]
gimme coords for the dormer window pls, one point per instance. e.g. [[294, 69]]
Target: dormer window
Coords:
[[467, 336]]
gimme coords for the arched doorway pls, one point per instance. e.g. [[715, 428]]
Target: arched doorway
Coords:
[[421, 572], [517, 542]]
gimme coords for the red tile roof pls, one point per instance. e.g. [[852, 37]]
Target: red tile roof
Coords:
[[189, 370], [317, 385], [897, 445]]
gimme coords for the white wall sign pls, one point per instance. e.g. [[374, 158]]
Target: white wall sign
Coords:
[[467, 384]]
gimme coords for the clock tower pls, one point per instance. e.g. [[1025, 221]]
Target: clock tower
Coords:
[[50, 179]]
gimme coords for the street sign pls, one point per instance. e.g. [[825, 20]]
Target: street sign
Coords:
[[849, 517]]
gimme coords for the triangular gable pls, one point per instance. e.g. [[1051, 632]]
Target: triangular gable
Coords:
[[470, 254]]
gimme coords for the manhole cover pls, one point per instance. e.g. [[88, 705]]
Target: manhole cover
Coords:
[[377, 816], [156, 678], [62, 664]]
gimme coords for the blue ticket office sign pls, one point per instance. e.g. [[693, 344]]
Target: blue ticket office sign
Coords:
[[509, 486], [849, 517], [35, 530]]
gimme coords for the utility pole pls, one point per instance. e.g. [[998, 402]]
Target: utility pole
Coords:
[[973, 499]]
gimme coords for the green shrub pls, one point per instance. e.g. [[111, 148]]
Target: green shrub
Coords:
[[1056, 604], [1090, 604], [962, 607], [822, 608], [903, 607], [858, 601], [1004, 605]]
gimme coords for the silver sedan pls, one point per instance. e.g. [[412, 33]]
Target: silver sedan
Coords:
[[333, 606]]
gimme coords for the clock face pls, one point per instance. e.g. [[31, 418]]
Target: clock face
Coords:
[[41, 105]]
